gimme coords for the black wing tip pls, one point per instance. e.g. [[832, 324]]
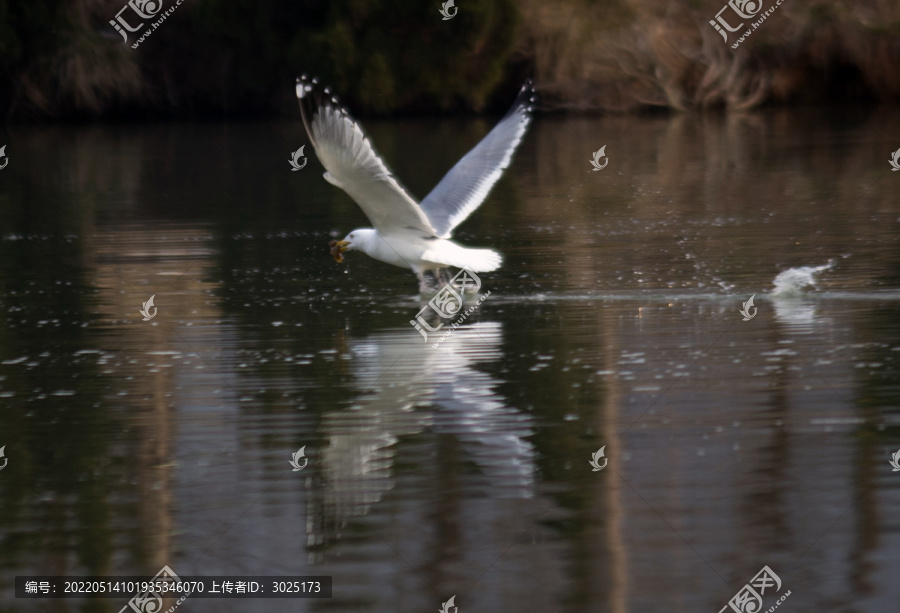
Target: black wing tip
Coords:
[[314, 99], [306, 85], [312, 96], [302, 87], [526, 100]]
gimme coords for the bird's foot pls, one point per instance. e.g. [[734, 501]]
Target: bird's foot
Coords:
[[429, 282], [424, 284], [443, 276]]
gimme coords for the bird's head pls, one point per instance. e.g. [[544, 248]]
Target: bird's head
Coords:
[[356, 240]]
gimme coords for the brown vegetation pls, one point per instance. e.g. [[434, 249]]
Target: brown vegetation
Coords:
[[62, 63], [227, 58], [627, 54]]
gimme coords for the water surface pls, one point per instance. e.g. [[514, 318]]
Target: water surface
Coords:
[[461, 470]]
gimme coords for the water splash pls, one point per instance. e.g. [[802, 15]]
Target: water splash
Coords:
[[793, 281]]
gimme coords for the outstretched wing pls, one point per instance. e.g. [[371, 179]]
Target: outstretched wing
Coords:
[[464, 188], [352, 163]]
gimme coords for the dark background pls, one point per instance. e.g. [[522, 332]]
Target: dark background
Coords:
[[216, 59]]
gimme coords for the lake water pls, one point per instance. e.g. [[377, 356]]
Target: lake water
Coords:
[[462, 470]]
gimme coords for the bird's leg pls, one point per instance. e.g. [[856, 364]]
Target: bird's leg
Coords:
[[443, 276], [431, 280], [423, 282], [440, 279]]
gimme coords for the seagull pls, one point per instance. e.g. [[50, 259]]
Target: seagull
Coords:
[[407, 233]]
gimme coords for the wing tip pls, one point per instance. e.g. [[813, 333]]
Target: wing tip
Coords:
[[527, 98], [316, 98], [304, 85]]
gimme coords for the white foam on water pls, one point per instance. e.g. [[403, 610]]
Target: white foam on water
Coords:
[[793, 281]]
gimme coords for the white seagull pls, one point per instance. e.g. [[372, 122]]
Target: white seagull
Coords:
[[406, 233]]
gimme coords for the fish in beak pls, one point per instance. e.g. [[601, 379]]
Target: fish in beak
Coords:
[[337, 250]]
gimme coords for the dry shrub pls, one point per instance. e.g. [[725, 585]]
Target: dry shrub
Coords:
[[630, 54], [76, 68]]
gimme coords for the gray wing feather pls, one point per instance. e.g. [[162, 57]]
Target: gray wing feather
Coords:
[[464, 188]]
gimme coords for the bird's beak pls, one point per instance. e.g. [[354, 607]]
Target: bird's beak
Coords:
[[337, 249]]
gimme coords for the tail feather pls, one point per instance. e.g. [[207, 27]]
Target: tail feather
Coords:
[[447, 253]]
